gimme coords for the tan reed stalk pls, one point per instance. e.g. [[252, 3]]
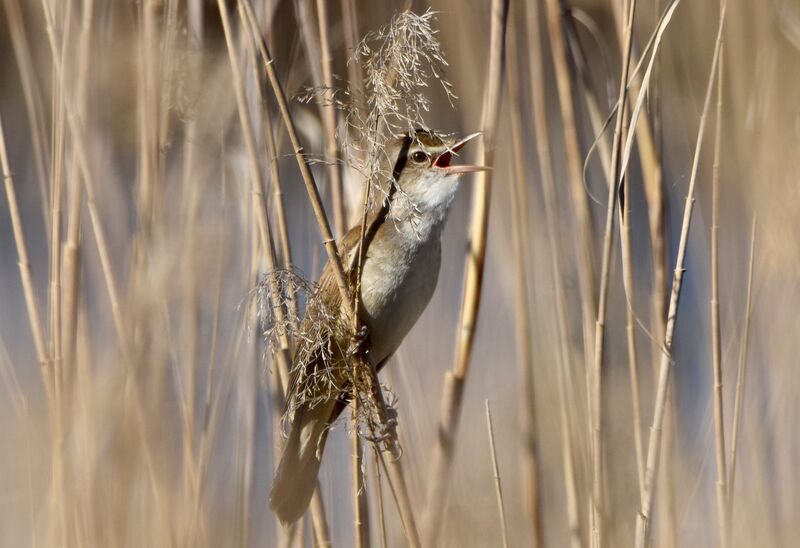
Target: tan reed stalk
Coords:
[[299, 152], [650, 160], [454, 382], [31, 94], [630, 328], [286, 536], [78, 141], [360, 502], [598, 129], [653, 448], [71, 253], [578, 57], [716, 336], [279, 205], [740, 378], [379, 497], [529, 450], [649, 155], [563, 367], [265, 237], [332, 153], [498, 489], [168, 62], [60, 481], [29, 291], [319, 60], [615, 174], [574, 160]]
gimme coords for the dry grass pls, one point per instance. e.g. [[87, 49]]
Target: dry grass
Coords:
[[159, 174]]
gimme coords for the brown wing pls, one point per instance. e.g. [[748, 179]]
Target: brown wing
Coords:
[[331, 301]]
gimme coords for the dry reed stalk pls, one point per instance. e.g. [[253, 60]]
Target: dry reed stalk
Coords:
[[498, 488], [280, 207], [31, 95], [71, 252], [578, 58], [29, 291], [653, 449], [332, 152], [455, 379], [60, 482], [574, 161], [630, 328], [649, 157], [319, 60], [360, 502], [379, 497], [598, 129], [395, 473], [740, 378], [544, 155], [283, 357], [615, 178], [521, 227], [716, 336], [76, 129]]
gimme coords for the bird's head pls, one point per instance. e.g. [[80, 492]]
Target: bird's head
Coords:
[[424, 168]]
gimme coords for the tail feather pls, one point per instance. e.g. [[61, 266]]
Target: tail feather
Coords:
[[297, 472]]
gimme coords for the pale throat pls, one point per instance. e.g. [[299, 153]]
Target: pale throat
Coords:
[[419, 212]]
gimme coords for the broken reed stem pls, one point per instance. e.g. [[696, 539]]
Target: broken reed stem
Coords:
[[544, 156], [599, 340], [498, 489], [473, 279], [740, 378], [29, 291], [395, 470], [332, 152], [654, 444], [520, 231], [716, 336], [574, 160]]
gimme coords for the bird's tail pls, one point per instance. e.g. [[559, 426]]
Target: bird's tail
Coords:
[[296, 476]]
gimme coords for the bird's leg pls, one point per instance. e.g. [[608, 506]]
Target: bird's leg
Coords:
[[358, 342]]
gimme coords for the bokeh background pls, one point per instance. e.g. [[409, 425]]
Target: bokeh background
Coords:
[[164, 429]]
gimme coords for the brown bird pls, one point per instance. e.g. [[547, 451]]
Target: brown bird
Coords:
[[398, 277]]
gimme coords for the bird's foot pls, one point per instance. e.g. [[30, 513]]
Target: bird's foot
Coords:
[[385, 434], [358, 342]]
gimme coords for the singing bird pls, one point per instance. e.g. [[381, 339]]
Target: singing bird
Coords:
[[398, 277]]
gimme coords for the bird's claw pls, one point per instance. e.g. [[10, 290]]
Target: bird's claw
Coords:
[[358, 341]]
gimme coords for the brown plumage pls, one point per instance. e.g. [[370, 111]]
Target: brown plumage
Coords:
[[399, 273]]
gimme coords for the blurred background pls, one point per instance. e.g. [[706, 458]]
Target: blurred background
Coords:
[[139, 401]]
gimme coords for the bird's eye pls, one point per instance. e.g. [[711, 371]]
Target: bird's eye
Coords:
[[419, 157]]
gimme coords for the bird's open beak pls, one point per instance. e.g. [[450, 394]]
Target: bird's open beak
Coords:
[[443, 160]]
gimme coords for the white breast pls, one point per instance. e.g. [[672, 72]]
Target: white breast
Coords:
[[397, 284]]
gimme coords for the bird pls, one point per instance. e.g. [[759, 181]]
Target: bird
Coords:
[[399, 272]]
